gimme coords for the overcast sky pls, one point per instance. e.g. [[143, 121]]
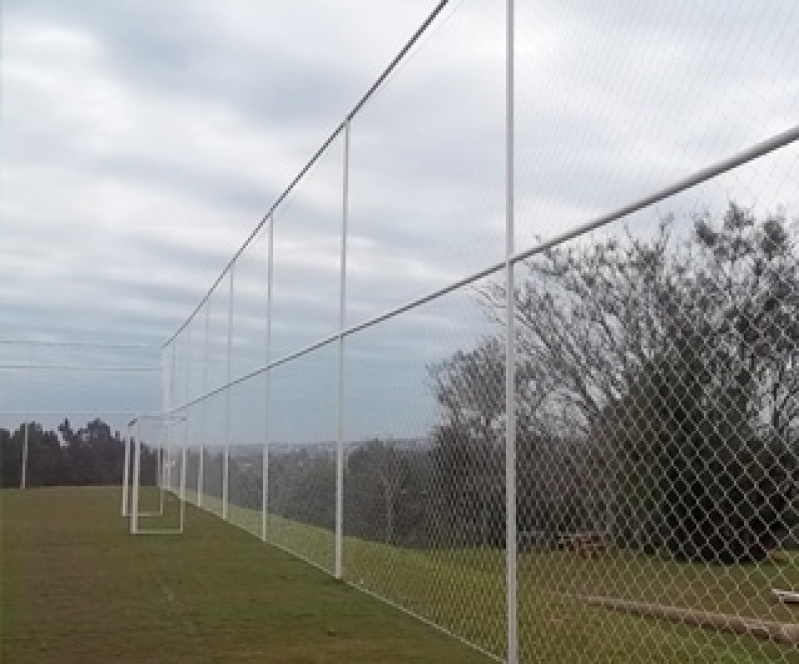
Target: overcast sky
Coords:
[[143, 140]]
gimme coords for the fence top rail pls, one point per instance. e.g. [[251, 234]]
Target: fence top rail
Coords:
[[149, 417], [314, 158]]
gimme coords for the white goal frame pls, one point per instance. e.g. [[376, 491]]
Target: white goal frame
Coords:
[[131, 485]]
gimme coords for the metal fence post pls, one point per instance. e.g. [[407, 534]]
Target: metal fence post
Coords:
[[342, 321], [171, 379], [226, 464], [134, 520], [126, 473], [164, 472], [510, 354], [182, 493], [187, 387], [267, 380], [204, 406], [183, 472]]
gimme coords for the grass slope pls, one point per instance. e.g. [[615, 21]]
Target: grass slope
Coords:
[[77, 588], [464, 590]]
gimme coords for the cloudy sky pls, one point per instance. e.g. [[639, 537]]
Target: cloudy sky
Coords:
[[144, 140]]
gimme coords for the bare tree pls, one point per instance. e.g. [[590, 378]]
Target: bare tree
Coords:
[[664, 360]]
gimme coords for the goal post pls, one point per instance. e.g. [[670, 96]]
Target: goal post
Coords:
[[160, 484], [154, 476]]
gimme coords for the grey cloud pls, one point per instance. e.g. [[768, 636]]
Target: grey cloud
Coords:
[[183, 49], [225, 105]]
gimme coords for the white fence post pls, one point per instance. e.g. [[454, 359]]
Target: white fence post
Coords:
[[204, 407], [226, 463], [183, 479], [510, 354], [187, 398], [267, 380], [134, 519], [126, 473], [342, 321]]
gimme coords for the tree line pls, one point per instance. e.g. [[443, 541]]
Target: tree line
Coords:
[[89, 455], [657, 403]]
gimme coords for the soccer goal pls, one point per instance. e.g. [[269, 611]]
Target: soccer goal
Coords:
[[154, 475]]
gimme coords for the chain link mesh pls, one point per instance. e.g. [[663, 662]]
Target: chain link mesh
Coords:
[[655, 397], [657, 474], [424, 512]]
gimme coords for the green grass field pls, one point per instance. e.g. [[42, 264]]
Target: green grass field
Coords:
[[464, 591], [78, 588]]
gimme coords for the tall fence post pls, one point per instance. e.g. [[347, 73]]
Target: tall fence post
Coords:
[[164, 472], [134, 509], [510, 354], [126, 473], [267, 378], [188, 397], [183, 468], [226, 463], [204, 407], [23, 478], [183, 456], [342, 321], [170, 392]]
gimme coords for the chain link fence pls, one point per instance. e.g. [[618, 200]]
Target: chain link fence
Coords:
[[519, 354]]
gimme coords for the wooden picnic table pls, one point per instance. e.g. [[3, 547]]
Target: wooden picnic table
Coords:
[[587, 544]]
